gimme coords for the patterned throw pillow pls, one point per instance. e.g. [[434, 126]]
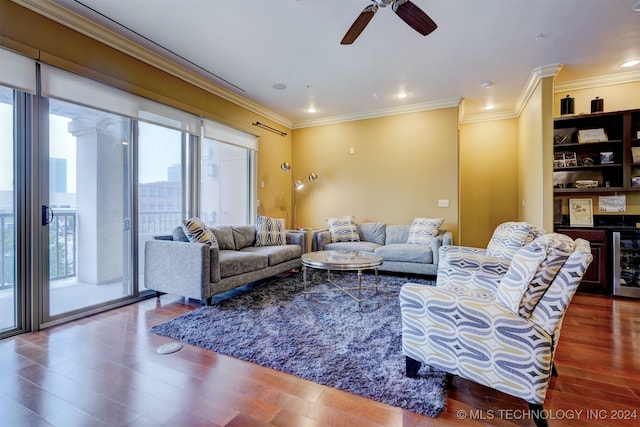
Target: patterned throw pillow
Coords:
[[343, 229], [196, 231], [423, 230], [270, 231]]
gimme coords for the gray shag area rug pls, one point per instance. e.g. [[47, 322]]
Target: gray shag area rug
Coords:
[[326, 338]]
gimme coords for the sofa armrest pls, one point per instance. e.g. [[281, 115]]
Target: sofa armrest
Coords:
[[319, 238], [297, 237], [178, 268]]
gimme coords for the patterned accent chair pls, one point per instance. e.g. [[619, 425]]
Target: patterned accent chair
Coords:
[[502, 331], [463, 264]]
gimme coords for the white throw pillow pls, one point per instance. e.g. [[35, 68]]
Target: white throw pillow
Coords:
[[197, 232], [423, 230], [270, 231]]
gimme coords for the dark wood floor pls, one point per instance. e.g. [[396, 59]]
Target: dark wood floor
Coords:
[[104, 370]]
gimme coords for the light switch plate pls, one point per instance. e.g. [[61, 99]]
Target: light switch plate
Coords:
[[443, 203]]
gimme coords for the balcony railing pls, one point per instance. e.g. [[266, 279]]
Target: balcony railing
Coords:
[[63, 241]]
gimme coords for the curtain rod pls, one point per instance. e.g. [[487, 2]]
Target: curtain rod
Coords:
[[269, 128]]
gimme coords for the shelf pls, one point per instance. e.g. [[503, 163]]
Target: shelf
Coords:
[[587, 144], [588, 190], [577, 168]]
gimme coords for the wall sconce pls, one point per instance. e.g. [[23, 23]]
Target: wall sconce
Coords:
[[297, 185]]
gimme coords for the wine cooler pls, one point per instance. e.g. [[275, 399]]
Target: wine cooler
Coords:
[[626, 263]]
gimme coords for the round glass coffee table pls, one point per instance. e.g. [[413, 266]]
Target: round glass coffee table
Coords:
[[341, 261]]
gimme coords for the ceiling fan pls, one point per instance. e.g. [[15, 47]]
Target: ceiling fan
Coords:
[[407, 11]]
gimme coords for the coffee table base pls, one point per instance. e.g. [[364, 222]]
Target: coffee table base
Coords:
[[337, 287]]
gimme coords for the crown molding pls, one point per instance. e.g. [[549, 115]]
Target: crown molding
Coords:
[[372, 114], [589, 83], [90, 29]]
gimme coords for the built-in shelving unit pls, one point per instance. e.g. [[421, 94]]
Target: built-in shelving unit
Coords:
[[597, 148]]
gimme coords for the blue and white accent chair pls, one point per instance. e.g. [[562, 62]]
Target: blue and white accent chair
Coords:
[[456, 263], [496, 328]]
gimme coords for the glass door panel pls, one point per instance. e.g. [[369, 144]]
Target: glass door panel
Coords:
[[161, 175], [87, 215], [8, 290]]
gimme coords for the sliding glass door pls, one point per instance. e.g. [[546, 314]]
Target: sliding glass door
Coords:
[[8, 287], [87, 215]]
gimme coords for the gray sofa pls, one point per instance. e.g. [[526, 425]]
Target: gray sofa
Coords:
[[389, 241], [176, 266]]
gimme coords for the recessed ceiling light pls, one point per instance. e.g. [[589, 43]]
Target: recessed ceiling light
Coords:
[[279, 86], [489, 107], [402, 95], [487, 85], [631, 63], [311, 110], [636, 7]]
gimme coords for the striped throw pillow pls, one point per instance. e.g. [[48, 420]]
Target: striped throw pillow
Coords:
[[270, 231], [197, 232]]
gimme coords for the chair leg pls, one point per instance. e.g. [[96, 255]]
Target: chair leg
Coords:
[[554, 371], [158, 294], [413, 366], [539, 416]]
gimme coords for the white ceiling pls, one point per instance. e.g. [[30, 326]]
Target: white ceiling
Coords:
[[254, 44]]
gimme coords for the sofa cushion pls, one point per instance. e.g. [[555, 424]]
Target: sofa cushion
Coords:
[[270, 231], [343, 229], [373, 232], [352, 246], [243, 235], [396, 233], [234, 262], [404, 252], [276, 254], [196, 231], [224, 235], [423, 230]]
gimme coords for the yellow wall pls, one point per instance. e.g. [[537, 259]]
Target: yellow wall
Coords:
[[40, 38], [488, 179], [401, 167], [535, 157]]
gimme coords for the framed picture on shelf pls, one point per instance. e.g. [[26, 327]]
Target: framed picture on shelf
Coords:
[[570, 160], [581, 212], [592, 135]]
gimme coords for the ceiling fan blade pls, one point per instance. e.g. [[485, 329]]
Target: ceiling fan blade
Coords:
[[414, 17], [359, 24]]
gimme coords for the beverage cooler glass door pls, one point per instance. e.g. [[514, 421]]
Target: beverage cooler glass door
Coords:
[[626, 264]]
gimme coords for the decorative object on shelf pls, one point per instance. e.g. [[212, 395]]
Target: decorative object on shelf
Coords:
[[567, 105], [635, 153], [297, 184], [563, 136], [597, 105], [635, 181], [586, 183], [565, 160], [606, 157], [612, 203], [557, 210], [592, 135], [581, 212], [586, 161]]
